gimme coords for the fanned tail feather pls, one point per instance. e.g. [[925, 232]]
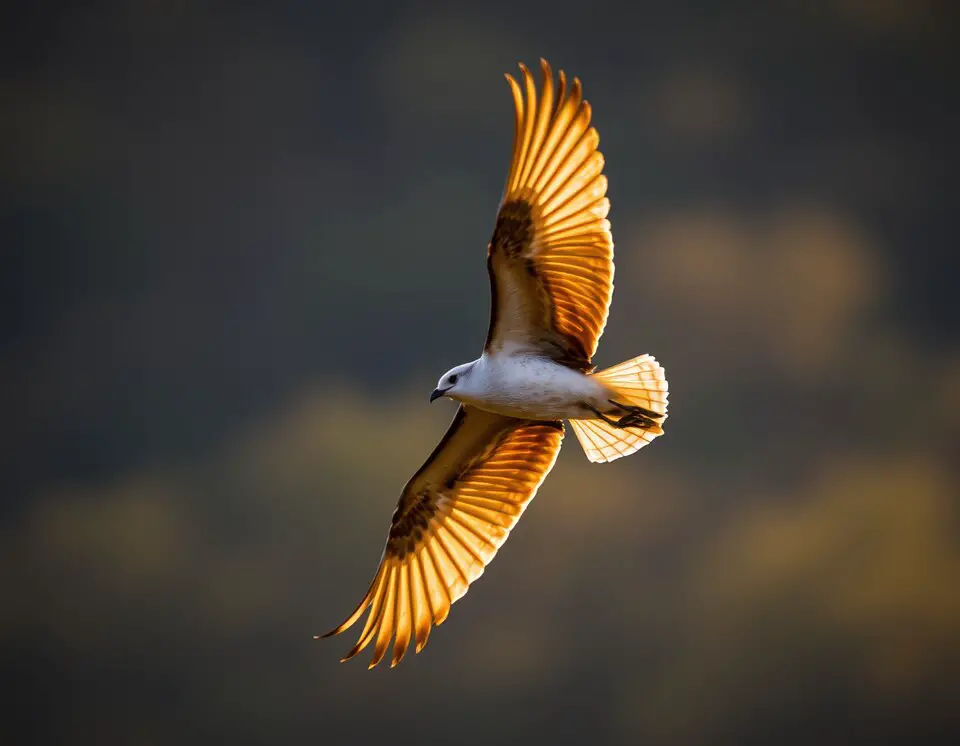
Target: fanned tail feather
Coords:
[[637, 383]]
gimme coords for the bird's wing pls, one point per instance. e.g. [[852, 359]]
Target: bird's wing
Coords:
[[453, 515], [551, 256]]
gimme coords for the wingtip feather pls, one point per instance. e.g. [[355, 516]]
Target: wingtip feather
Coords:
[[414, 589]]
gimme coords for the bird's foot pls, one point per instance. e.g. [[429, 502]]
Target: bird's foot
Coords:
[[635, 416]]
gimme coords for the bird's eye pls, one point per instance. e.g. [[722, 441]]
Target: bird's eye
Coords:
[[453, 379]]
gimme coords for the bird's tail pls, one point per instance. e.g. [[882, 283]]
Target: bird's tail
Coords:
[[640, 390]]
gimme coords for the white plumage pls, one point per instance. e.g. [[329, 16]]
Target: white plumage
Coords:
[[520, 384]]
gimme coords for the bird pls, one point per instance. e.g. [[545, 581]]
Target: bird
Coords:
[[550, 265]]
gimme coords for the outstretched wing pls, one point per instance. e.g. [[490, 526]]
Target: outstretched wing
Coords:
[[453, 515], [551, 256]]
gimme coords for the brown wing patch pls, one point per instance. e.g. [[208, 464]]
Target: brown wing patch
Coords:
[[409, 522], [552, 243], [514, 230], [449, 524]]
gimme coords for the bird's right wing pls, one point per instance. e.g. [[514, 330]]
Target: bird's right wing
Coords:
[[453, 515]]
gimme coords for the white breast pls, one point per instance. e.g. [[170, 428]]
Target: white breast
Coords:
[[534, 387]]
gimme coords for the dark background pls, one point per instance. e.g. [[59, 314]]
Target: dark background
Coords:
[[238, 245]]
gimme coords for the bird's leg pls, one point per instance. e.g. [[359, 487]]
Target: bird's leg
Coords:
[[635, 416], [601, 415]]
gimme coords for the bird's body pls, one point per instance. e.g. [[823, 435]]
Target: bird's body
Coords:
[[523, 384], [550, 263]]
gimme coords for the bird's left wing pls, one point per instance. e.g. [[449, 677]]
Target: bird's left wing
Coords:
[[453, 515], [550, 259]]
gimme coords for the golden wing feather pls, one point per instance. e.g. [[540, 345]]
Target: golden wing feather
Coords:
[[451, 519], [551, 256]]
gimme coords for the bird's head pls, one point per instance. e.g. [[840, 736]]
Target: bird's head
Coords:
[[454, 382]]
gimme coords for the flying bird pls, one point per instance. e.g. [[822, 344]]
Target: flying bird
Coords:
[[550, 262]]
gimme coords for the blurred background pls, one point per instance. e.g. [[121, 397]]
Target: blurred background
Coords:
[[239, 244]]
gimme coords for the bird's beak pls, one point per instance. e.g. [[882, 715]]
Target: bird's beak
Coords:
[[437, 393]]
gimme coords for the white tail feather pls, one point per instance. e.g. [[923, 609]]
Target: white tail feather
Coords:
[[639, 382]]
